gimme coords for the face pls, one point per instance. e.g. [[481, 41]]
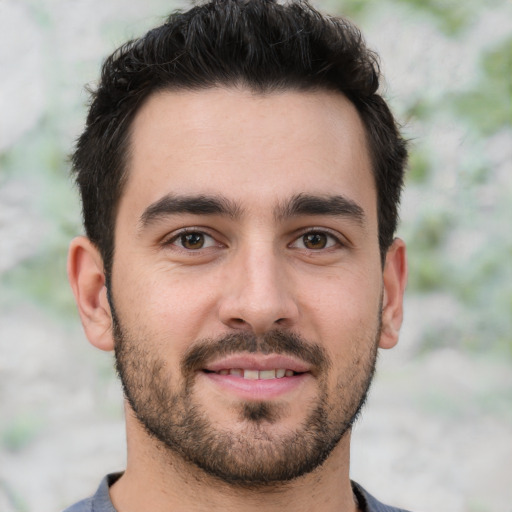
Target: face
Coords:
[[246, 281]]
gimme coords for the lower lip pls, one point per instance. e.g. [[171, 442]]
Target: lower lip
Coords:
[[257, 389]]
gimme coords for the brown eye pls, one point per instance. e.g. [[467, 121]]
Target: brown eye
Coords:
[[192, 240], [315, 240]]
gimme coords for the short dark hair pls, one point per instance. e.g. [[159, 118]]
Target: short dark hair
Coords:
[[259, 44]]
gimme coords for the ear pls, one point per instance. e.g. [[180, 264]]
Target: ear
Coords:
[[87, 279], [394, 279]]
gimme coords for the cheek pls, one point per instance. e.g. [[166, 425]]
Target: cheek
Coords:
[[343, 312], [172, 308]]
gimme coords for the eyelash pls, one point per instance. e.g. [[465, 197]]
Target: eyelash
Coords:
[[319, 231], [308, 231], [189, 231]]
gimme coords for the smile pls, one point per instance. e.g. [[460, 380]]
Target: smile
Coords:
[[258, 376], [251, 374]]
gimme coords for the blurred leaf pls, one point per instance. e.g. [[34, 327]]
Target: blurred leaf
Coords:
[[419, 109], [488, 107], [419, 166], [426, 272], [432, 231], [43, 279], [354, 9], [15, 499], [451, 16], [21, 432]]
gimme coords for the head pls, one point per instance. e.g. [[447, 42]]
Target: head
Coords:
[[262, 45], [240, 177]]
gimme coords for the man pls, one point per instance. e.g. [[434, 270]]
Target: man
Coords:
[[240, 178]]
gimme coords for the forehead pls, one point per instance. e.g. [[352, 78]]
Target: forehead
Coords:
[[253, 147]]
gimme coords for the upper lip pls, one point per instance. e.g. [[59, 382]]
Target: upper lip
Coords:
[[258, 362]]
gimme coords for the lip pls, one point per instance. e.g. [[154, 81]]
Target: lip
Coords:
[[258, 362], [257, 390]]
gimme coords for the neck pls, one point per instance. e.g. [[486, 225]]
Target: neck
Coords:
[[158, 480]]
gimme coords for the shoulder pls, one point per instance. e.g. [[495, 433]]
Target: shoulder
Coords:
[[81, 506], [100, 501], [367, 503]]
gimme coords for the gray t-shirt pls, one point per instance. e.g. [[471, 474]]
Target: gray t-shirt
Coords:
[[100, 502]]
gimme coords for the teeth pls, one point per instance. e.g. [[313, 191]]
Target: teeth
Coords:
[[251, 374], [278, 373], [267, 374]]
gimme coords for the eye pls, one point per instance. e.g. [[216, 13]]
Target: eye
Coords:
[[193, 240], [315, 241]]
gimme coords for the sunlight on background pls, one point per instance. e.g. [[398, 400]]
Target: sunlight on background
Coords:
[[437, 433]]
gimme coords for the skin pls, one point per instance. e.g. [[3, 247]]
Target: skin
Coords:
[[254, 274]]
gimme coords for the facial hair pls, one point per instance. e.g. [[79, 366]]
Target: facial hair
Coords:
[[252, 456]]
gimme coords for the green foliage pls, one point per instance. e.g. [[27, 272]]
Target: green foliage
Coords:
[[478, 506], [39, 159], [419, 109], [419, 166], [16, 501], [43, 279], [20, 432], [427, 271], [488, 106], [432, 231], [354, 9], [451, 16], [480, 281]]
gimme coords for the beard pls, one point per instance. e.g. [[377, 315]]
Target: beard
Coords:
[[251, 454]]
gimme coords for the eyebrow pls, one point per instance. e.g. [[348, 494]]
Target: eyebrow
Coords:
[[195, 205], [335, 206], [298, 205]]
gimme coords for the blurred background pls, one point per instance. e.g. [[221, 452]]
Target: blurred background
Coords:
[[437, 432]]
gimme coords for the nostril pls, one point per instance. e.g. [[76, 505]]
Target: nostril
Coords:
[[239, 324]]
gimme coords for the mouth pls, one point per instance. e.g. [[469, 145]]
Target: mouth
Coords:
[[253, 374], [258, 376]]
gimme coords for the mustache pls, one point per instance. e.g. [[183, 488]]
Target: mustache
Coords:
[[272, 342]]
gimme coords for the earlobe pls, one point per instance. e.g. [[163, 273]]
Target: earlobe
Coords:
[[87, 279], [395, 280]]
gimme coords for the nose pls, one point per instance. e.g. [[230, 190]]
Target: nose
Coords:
[[258, 294]]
